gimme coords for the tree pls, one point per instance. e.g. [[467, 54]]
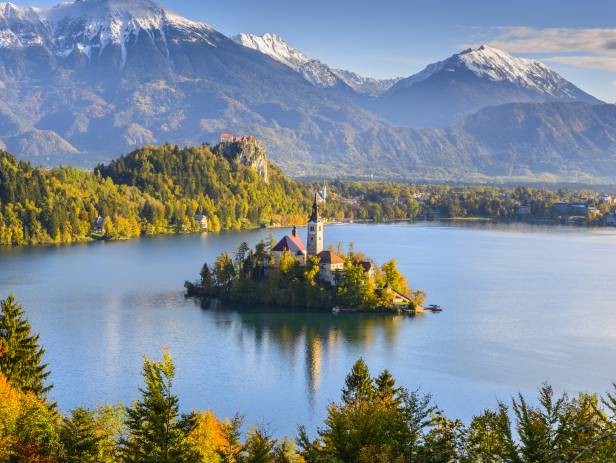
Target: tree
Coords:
[[286, 452], [224, 272], [392, 276], [359, 385], [80, 438], [154, 432], [215, 441], [259, 447], [351, 285], [207, 281], [22, 361]]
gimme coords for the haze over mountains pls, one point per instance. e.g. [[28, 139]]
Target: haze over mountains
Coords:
[[84, 82]]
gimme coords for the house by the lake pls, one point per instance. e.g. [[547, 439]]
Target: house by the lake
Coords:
[[98, 227], [202, 221]]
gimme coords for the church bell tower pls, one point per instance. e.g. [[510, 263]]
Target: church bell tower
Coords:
[[315, 230]]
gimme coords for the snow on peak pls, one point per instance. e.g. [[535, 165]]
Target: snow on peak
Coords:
[[10, 11], [313, 70], [499, 66], [87, 25], [275, 47]]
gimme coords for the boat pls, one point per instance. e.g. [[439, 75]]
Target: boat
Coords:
[[434, 308], [338, 309]]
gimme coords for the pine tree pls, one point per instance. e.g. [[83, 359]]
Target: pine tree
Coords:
[[206, 278], [386, 388], [21, 361], [155, 433], [80, 438], [359, 385], [259, 447]]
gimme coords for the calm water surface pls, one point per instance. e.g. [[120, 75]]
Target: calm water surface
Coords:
[[523, 305]]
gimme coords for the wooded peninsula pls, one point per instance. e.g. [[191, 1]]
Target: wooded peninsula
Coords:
[[232, 186]]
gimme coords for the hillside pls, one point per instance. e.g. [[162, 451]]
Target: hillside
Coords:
[[149, 191]]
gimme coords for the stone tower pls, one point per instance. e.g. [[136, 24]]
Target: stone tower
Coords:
[[315, 230]]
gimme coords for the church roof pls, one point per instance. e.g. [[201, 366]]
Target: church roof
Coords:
[[328, 257], [290, 243]]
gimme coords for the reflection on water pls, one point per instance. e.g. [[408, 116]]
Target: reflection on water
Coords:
[[318, 336], [523, 305]]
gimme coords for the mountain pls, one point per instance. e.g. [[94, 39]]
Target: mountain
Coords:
[[105, 76], [83, 82], [538, 141], [313, 70], [447, 91]]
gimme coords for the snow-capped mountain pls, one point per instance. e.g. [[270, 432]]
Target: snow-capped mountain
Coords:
[[86, 81], [499, 66], [103, 76], [446, 91], [89, 27], [313, 70]]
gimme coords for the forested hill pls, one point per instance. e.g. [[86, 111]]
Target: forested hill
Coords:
[[149, 191]]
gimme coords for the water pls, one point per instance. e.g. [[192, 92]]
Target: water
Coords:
[[523, 305]]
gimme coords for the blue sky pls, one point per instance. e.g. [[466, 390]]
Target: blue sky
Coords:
[[389, 38]]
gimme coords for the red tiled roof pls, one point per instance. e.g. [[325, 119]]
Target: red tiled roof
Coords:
[[291, 244], [328, 257]]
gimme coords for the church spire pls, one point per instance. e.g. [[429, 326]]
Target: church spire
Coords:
[[314, 217]]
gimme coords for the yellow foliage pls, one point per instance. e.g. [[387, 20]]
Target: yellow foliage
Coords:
[[209, 437], [10, 409]]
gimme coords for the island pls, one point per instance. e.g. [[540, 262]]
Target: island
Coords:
[[293, 274]]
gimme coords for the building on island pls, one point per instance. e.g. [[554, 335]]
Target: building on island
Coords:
[[329, 262], [369, 268], [397, 297], [293, 245], [315, 230]]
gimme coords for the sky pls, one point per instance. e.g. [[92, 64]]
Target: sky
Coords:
[[390, 38]]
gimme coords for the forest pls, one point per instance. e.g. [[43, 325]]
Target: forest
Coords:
[[374, 420], [153, 190], [255, 276], [164, 189]]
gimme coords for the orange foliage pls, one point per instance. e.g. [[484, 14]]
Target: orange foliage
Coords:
[[210, 437]]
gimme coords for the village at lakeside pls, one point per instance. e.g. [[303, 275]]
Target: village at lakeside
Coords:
[[292, 274]]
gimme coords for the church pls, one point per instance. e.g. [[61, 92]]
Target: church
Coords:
[[329, 262]]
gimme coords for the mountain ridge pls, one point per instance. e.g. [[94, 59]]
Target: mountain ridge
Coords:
[[96, 78], [313, 70]]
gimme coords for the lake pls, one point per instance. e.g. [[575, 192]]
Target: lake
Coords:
[[523, 305]]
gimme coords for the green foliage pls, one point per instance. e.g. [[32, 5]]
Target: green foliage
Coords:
[[257, 276], [22, 360], [80, 438], [375, 421], [150, 191], [154, 431], [157, 190], [259, 447]]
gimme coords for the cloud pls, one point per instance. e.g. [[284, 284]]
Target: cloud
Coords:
[[603, 62], [554, 40]]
